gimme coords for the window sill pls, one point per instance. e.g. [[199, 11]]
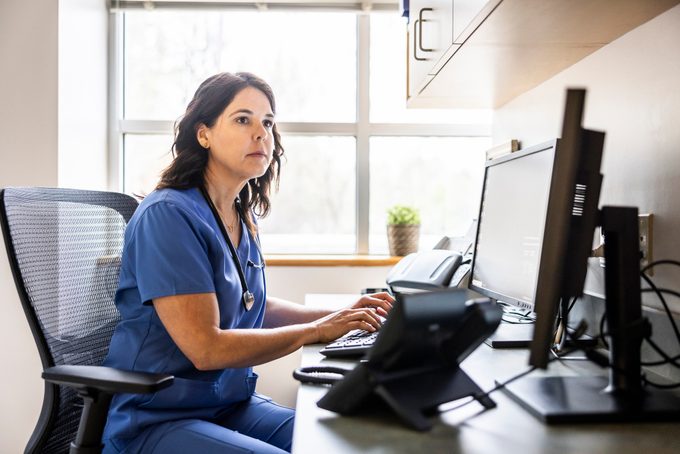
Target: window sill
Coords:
[[329, 260]]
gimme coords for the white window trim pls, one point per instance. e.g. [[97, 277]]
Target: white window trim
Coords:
[[362, 129]]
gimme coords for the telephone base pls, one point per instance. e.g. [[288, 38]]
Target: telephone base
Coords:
[[413, 396]]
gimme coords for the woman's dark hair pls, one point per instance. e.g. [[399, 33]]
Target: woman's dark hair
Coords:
[[187, 169]]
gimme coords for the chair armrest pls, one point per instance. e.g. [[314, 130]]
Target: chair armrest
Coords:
[[107, 379]]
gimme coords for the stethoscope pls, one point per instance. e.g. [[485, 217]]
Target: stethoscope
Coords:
[[248, 299]]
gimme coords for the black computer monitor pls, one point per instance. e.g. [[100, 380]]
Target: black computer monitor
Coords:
[[510, 227], [572, 216]]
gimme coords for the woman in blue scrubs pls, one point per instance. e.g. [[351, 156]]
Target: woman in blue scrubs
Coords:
[[192, 293]]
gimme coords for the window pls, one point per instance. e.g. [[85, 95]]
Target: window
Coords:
[[442, 176], [352, 149], [169, 53], [314, 209]]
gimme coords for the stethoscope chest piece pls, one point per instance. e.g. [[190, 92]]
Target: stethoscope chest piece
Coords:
[[248, 300]]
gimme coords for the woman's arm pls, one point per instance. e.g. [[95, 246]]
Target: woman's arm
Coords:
[[281, 312], [193, 323]]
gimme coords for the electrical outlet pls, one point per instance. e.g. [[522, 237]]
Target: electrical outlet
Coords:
[[645, 226], [600, 249]]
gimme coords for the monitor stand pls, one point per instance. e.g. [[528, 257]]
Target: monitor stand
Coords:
[[519, 335], [619, 397], [565, 400], [511, 335]]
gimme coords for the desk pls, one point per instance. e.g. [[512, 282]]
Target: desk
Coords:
[[505, 429]]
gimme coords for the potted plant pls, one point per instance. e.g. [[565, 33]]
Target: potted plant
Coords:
[[403, 229]]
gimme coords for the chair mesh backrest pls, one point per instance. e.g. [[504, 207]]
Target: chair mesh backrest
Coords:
[[67, 245]]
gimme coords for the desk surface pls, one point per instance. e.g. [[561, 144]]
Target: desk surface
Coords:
[[469, 429]]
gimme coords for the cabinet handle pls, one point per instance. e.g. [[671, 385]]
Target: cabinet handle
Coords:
[[420, 29], [415, 42]]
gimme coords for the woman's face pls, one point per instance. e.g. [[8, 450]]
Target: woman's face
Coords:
[[241, 141]]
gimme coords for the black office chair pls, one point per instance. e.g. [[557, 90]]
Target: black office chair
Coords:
[[64, 248]]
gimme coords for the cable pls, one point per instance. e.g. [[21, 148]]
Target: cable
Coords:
[[561, 358], [484, 395], [659, 292], [506, 382], [664, 355], [645, 381], [663, 301], [319, 375], [571, 305], [514, 315], [602, 334], [662, 290], [649, 266], [661, 362], [667, 358], [519, 320], [479, 397]]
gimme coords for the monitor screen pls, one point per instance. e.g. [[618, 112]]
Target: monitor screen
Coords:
[[511, 221]]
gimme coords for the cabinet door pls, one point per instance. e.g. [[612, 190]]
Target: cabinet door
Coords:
[[464, 12], [431, 24], [417, 66]]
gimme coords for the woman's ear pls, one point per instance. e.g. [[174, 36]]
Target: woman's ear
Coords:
[[202, 136]]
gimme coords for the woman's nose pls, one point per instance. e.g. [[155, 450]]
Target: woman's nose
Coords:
[[260, 133]]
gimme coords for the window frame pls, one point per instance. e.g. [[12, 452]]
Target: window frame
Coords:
[[362, 129]]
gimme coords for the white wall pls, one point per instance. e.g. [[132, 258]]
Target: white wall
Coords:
[[83, 85], [52, 133], [634, 96], [28, 156], [292, 283]]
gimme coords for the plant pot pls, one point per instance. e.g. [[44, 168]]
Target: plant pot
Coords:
[[403, 239]]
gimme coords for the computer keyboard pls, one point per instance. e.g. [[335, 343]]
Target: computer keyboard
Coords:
[[353, 344]]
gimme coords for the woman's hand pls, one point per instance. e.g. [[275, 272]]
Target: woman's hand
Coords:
[[381, 302], [339, 323], [364, 314]]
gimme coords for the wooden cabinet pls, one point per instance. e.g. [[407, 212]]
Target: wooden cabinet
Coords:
[[430, 35], [436, 30], [464, 13], [499, 49]]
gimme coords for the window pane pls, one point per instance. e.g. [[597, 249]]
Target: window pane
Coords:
[[145, 157], [441, 177], [309, 59], [314, 210], [388, 80]]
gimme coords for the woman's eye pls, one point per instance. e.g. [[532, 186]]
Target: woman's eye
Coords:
[[242, 120], [268, 124]]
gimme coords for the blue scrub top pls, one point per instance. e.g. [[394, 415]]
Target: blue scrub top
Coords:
[[174, 246]]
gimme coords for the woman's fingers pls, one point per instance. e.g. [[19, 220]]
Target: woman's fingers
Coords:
[[382, 302], [372, 318], [339, 323], [362, 315]]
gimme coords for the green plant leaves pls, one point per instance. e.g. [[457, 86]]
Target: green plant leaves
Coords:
[[403, 215]]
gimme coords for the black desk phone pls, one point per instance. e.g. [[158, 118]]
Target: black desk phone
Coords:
[[413, 366], [445, 266]]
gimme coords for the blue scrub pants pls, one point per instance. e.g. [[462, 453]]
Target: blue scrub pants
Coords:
[[257, 425]]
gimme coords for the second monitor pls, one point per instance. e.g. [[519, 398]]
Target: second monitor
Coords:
[[512, 218]]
